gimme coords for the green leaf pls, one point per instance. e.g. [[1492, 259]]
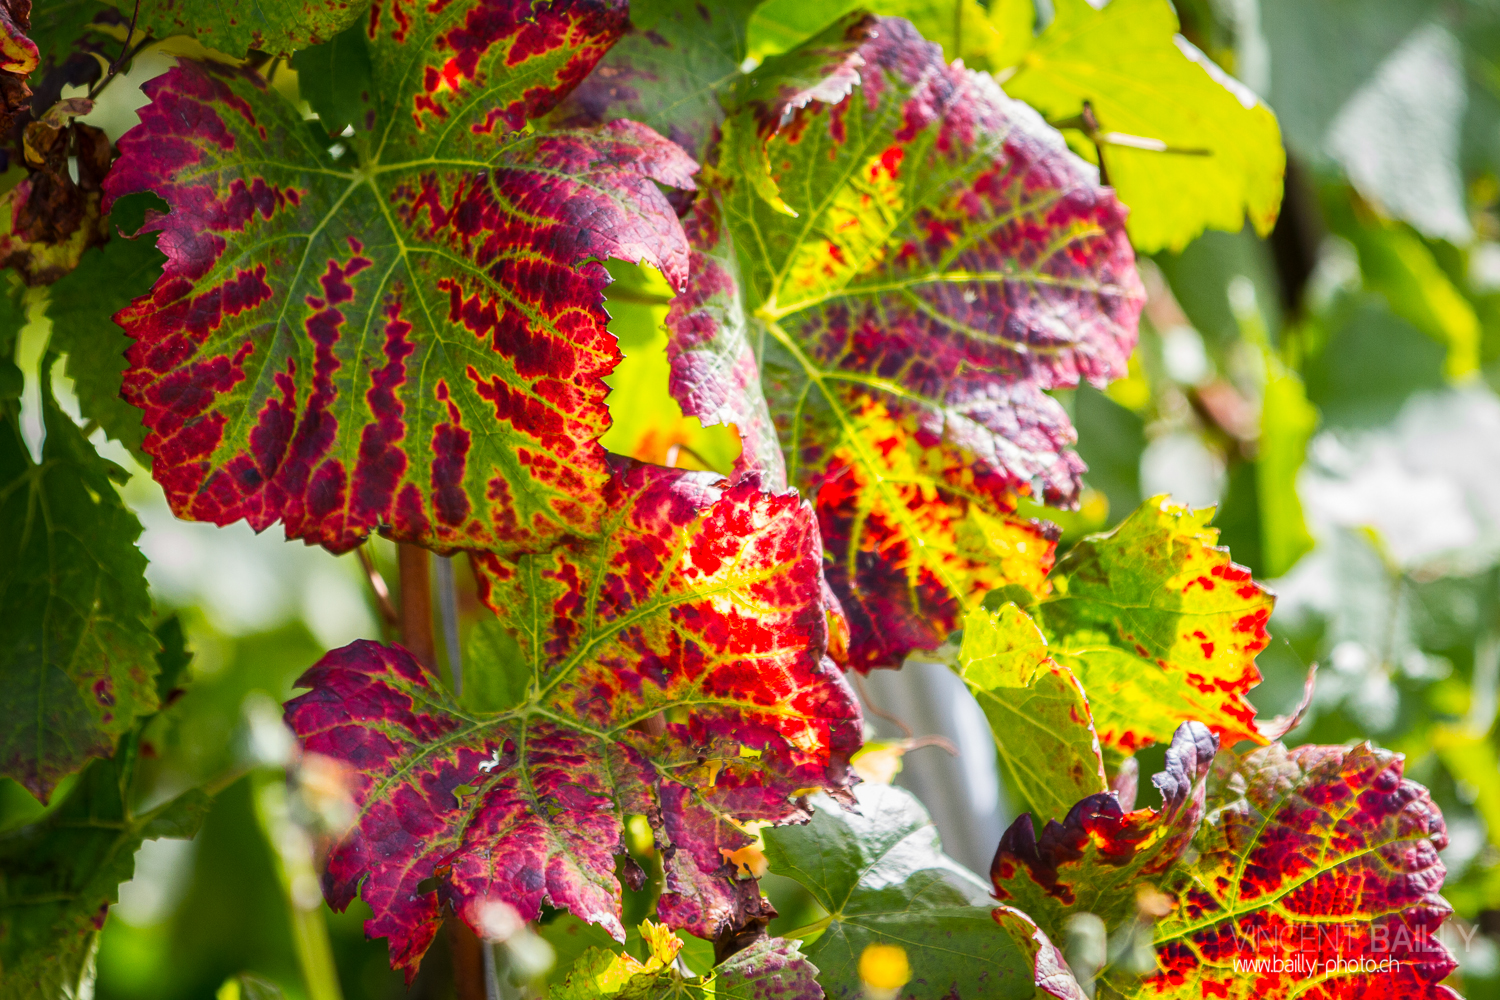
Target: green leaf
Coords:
[[491, 681], [882, 877], [1372, 364], [1395, 263], [412, 342], [1146, 82], [173, 659], [1160, 627], [274, 26], [81, 306], [1111, 439], [57, 26], [76, 653], [655, 416], [1036, 709], [12, 321], [61, 874], [335, 78]]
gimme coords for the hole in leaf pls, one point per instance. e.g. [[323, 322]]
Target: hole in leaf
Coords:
[[647, 423]]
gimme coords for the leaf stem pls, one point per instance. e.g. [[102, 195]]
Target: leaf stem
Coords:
[[292, 852], [416, 603], [467, 952], [415, 565], [447, 592], [378, 587], [808, 930]]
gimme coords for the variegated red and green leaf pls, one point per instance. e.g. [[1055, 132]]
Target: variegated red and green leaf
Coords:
[[948, 261], [1315, 875], [918, 529], [413, 342], [1100, 857], [673, 668], [1160, 626]]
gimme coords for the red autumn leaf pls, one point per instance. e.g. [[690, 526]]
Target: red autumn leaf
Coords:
[[696, 604], [1311, 872], [413, 342], [1316, 875]]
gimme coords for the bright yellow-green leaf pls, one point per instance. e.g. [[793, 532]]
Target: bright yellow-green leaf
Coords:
[[990, 39], [782, 25], [1015, 23], [601, 973], [1471, 759], [1036, 709], [1147, 85]]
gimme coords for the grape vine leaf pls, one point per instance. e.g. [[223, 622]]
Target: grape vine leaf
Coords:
[[1099, 856], [66, 33], [50, 218], [697, 605], [667, 72], [63, 871], [81, 306], [950, 261], [1037, 710], [76, 652], [414, 342], [1160, 626], [768, 969], [882, 877], [274, 26], [18, 57], [1324, 858], [1144, 81], [599, 973]]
